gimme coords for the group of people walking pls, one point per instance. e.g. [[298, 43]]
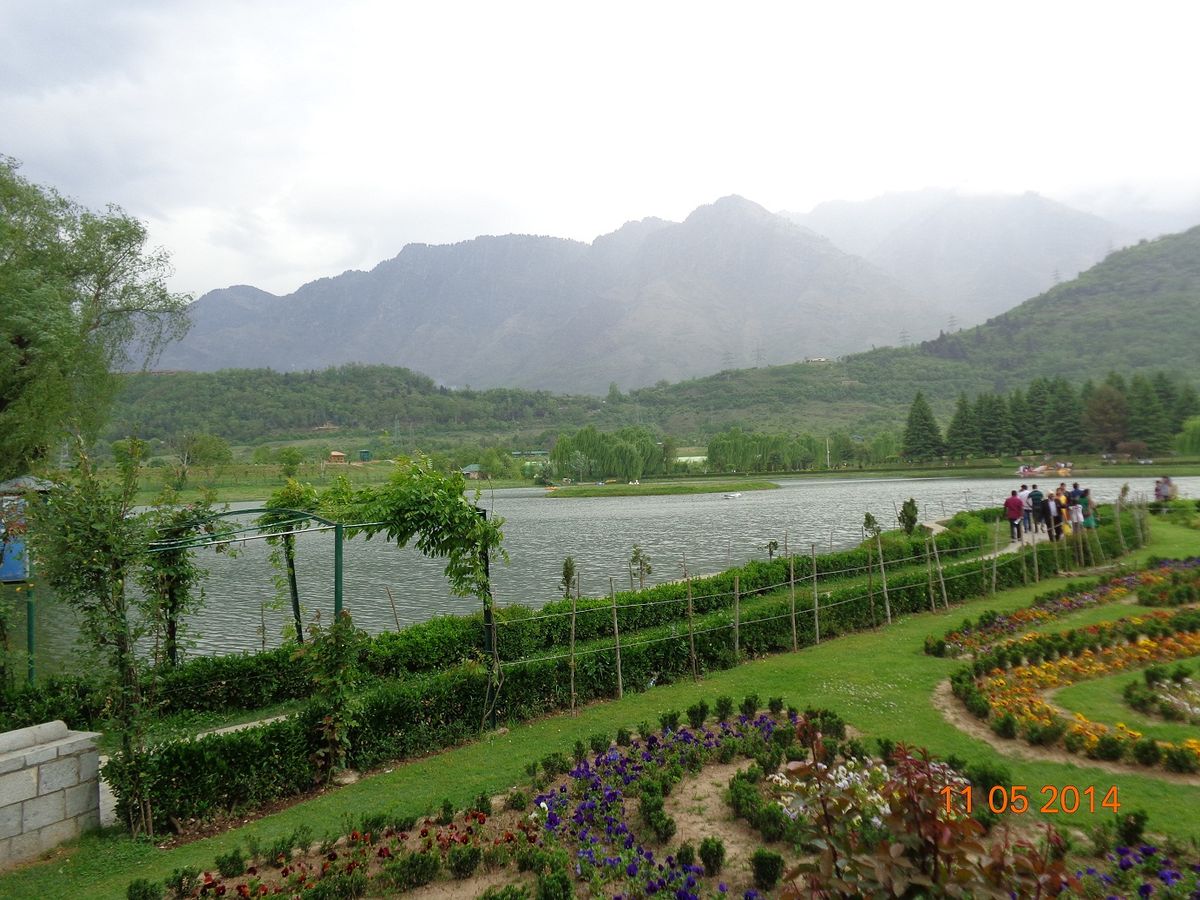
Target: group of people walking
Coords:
[[1057, 511]]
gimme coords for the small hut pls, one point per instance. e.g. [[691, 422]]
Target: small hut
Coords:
[[337, 457]]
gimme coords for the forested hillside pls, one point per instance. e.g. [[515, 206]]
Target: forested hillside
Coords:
[[1138, 311]]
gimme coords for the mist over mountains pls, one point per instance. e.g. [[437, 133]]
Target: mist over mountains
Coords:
[[732, 286]]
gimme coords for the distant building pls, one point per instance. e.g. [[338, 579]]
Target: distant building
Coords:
[[337, 457], [474, 471]]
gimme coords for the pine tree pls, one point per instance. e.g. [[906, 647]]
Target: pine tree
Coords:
[[1106, 417], [995, 424], [922, 439], [1148, 421], [962, 435], [1064, 433], [1018, 415]]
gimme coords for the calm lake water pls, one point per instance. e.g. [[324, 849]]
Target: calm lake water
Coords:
[[705, 531]]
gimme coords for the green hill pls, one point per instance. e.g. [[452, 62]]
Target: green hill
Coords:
[[1137, 311]]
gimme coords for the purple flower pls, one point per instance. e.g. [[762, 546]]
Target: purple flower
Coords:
[[1145, 890], [631, 870], [723, 888]]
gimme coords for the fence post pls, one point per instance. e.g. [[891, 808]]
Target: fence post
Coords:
[[737, 620], [871, 586], [929, 575], [937, 561], [612, 592], [887, 604], [30, 633], [1037, 574], [691, 632], [1024, 564], [574, 605], [816, 599], [995, 557], [792, 590], [1120, 532]]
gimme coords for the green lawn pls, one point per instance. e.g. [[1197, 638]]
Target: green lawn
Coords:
[[880, 682], [1101, 701]]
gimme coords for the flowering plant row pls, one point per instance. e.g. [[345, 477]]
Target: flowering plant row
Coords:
[[1174, 696], [992, 627], [1013, 698], [1181, 588]]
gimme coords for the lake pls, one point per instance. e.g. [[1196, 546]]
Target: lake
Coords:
[[705, 532]]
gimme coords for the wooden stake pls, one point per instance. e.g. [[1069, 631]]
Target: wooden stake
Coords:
[[574, 605], [1037, 575], [929, 575], [887, 604], [871, 586], [392, 600], [691, 632], [737, 619], [792, 591], [937, 561], [612, 591], [816, 599], [995, 556]]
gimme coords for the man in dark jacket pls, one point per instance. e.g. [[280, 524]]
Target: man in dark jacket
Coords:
[[1014, 509]]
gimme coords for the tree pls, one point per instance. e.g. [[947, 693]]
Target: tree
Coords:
[[197, 449], [909, 515], [569, 574], [1148, 421], [1106, 417], [772, 549], [83, 297], [640, 563], [293, 496], [89, 546], [922, 439], [289, 461], [962, 436]]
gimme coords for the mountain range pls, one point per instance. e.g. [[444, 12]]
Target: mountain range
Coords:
[[732, 286]]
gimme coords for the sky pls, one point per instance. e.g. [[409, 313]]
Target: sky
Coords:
[[271, 143]]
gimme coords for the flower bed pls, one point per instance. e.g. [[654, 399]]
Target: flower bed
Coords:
[[1172, 695], [1012, 698], [992, 627]]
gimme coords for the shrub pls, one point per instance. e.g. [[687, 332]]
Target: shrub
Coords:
[[517, 800], [712, 854], [411, 870], [624, 738], [508, 892], [772, 822], [555, 885], [749, 705], [1005, 725], [1179, 759], [986, 776], [1108, 747], [183, 882], [724, 709], [599, 743], [775, 705], [697, 713], [446, 814], [482, 803], [768, 868], [143, 889], [1147, 752], [669, 720], [1045, 735], [579, 752], [463, 860], [1131, 826], [231, 864], [686, 854], [555, 764], [339, 886]]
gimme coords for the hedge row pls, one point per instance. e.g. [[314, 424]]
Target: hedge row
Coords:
[[421, 713], [253, 681]]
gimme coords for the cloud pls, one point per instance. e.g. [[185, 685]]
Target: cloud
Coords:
[[275, 142]]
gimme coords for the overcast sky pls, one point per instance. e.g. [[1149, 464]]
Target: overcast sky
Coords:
[[272, 143]]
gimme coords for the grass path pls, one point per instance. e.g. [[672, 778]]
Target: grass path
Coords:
[[881, 682]]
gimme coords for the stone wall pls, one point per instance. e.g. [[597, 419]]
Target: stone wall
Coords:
[[49, 789]]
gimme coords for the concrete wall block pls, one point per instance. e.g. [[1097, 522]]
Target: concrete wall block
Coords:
[[82, 797], [89, 766], [10, 762], [53, 835], [58, 775], [18, 786], [37, 755], [4, 855], [24, 846], [10, 820], [89, 821], [32, 736], [42, 811], [77, 742]]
